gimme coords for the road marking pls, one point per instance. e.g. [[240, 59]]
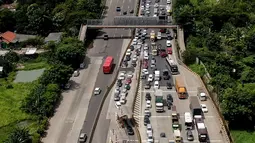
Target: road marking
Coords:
[[129, 1], [110, 3]]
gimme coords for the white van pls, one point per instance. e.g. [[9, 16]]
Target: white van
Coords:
[[159, 35], [168, 1]]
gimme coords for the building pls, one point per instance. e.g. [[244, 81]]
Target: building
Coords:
[[53, 37]]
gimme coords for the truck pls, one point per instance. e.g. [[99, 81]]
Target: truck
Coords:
[[201, 130], [153, 36], [173, 66], [157, 75], [201, 94], [195, 107], [175, 118], [188, 120], [180, 88], [154, 49], [159, 101]]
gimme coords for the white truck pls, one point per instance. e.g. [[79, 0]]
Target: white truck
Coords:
[[157, 75], [159, 101]]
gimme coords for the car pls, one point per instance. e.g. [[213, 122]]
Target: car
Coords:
[[145, 71], [153, 60], [155, 15], [118, 104], [145, 65], [124, 90], [68, 85], [156, 5], [128, 58], [168, 43], [148, 12], [123, 100], [145, 47], [134, 58], [134, 42], [150, 78], [204, 108], [169, 98], [148, 96], [132, 47], [124, 13], [148, 104], [162, 30], [128, 80], [97, 91], [163, 53], [162, 135], [116, 97], [76, 73], [168, 85], [150, 138], [153, 66], [127, 86], [123, 94], [169, 51], [118, 9], [119, 84], [149, 128], [122, 76], [130, 130], [156, 84], [131, 11], [130, 75], [106, 37], [146, 120], [147, 85], [83, 138], [147, 112], [190, 136]]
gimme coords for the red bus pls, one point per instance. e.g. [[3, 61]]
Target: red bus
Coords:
[[108, 64]]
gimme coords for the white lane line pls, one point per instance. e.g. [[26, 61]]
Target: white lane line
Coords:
[[128, 7]]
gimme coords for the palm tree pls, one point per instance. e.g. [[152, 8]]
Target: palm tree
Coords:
[[19, 135]]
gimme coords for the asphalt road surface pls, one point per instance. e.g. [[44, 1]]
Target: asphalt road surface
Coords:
[[111, 47]]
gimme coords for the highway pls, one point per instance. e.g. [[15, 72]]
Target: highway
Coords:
[[103, 48]]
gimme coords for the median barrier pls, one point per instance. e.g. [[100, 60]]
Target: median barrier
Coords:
[[222, 121]]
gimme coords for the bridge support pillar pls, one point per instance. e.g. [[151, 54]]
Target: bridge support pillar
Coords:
[[82, 33]]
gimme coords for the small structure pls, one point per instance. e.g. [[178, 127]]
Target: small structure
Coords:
[[53, 37], [30, 51]]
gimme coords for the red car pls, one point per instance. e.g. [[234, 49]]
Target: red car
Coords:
[[163, 53], [162, 30], [169, 51], [145, 64], [128, 81]]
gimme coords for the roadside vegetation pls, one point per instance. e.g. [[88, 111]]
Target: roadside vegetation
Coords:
[[222, 35]]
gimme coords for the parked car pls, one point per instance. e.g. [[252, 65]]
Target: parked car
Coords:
[[204, 108], [147, 85]]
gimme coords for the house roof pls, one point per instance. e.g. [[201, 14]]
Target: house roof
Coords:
[[8, 36], [23, 37], [53, 37]]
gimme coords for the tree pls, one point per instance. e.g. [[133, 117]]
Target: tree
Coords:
[[189, 56], [38, 21], [248, 75], [19, 135], [71, 52], [57, 74], [21, 18], [238, 106], [213, 42], [11, 57], [7, 20]]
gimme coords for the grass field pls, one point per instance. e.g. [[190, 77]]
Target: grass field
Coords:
[[35, 65], [243, 136], [10, 102]]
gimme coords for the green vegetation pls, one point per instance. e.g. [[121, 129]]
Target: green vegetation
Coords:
[[222, 35], [199, 69], [27, 106]]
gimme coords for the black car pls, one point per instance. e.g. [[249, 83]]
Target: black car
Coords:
[[169, 37], [148, 96], [118, 9], [168, 85], [169, 98], [130, 130], [106, 37], [146, 120], [124, 13], [119, 84], [190, 136], [132, 47], [128, 58]]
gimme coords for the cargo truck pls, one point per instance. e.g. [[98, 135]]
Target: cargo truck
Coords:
[[157, 75], [159, 101], [201, 130], [195, 107], [180, 88], [154, 49]]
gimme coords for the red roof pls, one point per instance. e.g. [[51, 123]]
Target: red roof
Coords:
[[8, 36], [108, 61]]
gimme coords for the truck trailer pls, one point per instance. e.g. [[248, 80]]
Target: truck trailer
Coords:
[[159, 101], [201, 130], [180, 88], [195, 107]]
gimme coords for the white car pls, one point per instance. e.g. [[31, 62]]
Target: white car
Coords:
[[117, 91], [146, 56], [150, 78], [153, 65], [134, 59], [156, 85], [145, 47], [204, 108], [150, 138], [142, 7], [156, 5], [124, 90], [145, 31], [122, 76], [118, 104], [149, 129], [147, 5], [97, 91], [148, 12], [134, 42], [155, 15], [148, 104], [168, 43], [145, 71], [123, 100], [130, 75]]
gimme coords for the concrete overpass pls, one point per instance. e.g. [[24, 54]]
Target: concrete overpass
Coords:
[[125, 22]]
